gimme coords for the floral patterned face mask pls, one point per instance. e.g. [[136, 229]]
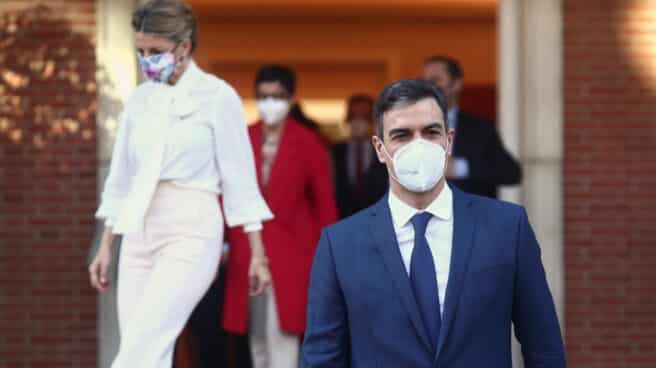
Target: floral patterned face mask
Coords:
[[157, 67]]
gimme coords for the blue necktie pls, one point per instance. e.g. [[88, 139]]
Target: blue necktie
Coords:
[[423, 280]]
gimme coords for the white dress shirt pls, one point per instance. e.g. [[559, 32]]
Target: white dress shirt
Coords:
[[193, 134], [439, 234]]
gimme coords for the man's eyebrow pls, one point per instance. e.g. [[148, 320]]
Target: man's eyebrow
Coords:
[[398, 130], [438, 125]]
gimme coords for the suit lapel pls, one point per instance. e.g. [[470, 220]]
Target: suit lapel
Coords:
[[382, 229], [281, 161], [464, 226], [256, 142]]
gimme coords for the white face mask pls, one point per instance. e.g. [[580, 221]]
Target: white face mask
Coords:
[[273, 110], [419, 165]]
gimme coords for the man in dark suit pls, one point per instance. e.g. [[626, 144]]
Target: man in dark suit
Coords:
[[430, 276], [480, 163], [360, 180]]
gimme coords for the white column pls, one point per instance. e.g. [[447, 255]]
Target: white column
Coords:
[[542, 118], [509, 100], [531, 123], [116, 78], [508, 88]]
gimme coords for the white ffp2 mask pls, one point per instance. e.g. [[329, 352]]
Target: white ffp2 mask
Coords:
[[273, 110], [419, 165]]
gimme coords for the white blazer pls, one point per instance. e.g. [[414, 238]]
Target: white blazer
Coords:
[[194, 134]]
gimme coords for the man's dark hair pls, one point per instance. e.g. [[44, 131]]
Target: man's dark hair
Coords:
[[452, 65], [356, 99], [407, 92], [277, 73]]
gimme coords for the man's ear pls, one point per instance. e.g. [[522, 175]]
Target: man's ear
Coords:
[[449, 140], [378, 146]]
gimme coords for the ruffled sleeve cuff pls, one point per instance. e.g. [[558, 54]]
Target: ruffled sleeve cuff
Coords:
[[108, 210], [250, 213]]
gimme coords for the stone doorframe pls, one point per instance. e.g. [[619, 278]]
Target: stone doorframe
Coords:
[[530, 105]]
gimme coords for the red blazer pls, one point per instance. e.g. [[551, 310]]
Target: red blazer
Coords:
[[301, 197]]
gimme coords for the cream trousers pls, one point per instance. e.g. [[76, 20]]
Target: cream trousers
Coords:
[[270, 346], [164, 271]]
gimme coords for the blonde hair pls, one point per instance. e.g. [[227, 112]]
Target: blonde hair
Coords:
[[171, 19]]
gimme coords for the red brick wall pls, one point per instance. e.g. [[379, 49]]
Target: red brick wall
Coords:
[[47, 183], [610, 182]]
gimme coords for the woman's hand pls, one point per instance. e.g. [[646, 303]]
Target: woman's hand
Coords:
[[99, 267], [259, 277]]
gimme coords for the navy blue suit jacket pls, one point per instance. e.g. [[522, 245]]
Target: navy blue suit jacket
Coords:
[[362, 312]]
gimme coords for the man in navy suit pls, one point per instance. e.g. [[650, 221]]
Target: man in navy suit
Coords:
[[429, 276]]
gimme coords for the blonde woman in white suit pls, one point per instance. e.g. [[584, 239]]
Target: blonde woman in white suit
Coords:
[[182, 141]]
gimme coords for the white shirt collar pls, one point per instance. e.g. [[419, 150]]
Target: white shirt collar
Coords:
[[441, 207], [188, 78], [177, 98]]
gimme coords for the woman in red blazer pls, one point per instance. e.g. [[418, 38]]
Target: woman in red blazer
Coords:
[[299, 192]]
